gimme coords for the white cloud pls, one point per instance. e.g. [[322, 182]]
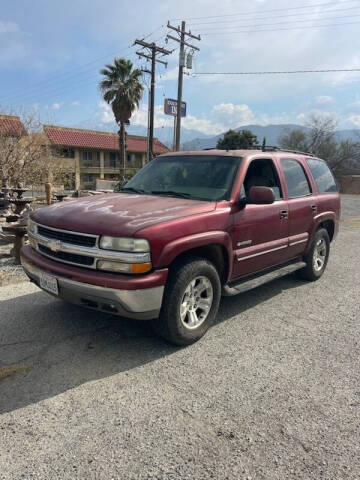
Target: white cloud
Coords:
[[106, 114], [56, 106], [75, 103], [355, 120], [8, 27], [324, 100]]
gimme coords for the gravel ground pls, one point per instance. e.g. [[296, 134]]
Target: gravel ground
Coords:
[[271, 392]]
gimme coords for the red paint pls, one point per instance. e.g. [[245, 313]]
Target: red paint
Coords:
[[174, 225]]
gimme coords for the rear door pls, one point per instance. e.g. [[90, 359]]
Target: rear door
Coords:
[[301, 204]]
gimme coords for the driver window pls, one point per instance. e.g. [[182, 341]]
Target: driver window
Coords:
[[262, 173]]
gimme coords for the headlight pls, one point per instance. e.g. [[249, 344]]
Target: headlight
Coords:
[[110, 266], [31, 226], [124, 244]]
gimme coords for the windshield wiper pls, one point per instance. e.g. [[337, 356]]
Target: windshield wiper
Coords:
[[171, 193], [131, 189]]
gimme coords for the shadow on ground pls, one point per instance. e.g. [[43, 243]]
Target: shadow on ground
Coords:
[[48, 347]]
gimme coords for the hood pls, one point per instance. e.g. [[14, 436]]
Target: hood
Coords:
[[117, 214]]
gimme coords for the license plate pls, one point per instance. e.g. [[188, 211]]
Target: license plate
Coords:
[[49, 283]]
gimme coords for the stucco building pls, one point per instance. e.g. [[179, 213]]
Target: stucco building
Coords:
[[92, 154]]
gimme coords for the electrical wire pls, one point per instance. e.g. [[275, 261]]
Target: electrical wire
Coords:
[[265, 11], [71, 73], [329, 70], [283, 23], [280, 28], [267, 17]]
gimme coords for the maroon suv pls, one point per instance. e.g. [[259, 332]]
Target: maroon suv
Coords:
[[188, 227]]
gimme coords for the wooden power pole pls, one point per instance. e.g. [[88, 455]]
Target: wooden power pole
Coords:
[[154, 49], [183, 34]]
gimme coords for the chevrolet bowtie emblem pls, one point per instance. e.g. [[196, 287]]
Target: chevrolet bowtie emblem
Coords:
[[54, 245]]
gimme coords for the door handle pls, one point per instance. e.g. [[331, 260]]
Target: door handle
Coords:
[[283, 214], [314, 208]]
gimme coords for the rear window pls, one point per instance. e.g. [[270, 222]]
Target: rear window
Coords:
[[322, 175], [296, 180]]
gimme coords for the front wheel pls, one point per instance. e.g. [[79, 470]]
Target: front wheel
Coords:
[[191, 301], [317, 257]]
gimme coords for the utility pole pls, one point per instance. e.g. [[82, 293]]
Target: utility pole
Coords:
[[154, 49], [183, 34]]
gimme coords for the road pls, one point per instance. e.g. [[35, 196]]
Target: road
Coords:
[[271, 392]]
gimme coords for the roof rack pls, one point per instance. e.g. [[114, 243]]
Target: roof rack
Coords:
[[268, 148]]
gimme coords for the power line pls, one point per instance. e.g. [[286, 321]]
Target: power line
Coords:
[[282, 29], [217, 22], [329, 70], [266, 11], [74, 72], [284, 23]]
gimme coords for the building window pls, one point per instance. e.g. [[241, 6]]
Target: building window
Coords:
[[91, 159], [67, 153]]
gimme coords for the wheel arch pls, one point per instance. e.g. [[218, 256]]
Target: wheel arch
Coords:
[[215, 247]]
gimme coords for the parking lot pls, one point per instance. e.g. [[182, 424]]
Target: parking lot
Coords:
[[271, 392]]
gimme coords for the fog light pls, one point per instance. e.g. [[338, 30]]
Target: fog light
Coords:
[[118, 267]]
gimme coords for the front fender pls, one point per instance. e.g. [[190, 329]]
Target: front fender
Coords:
[[184, 244]]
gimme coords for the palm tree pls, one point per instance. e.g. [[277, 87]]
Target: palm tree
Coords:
[[122, 89]]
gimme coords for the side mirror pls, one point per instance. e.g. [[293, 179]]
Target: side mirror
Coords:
[[261, 195]]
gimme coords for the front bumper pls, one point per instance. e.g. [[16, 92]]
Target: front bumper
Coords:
[[141, 304]]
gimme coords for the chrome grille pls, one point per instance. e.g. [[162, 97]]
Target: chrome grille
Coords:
[[67, 237], [83, 260]]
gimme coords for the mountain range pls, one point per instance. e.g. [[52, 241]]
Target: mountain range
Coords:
[[195, 140], [271, 133]]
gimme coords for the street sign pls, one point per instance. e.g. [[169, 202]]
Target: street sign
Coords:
[[170, 107]]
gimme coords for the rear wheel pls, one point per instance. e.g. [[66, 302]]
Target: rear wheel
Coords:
[[317, 257], [191, 301]]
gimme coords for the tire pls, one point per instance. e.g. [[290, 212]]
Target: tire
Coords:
[[182, 320], [317, 257]]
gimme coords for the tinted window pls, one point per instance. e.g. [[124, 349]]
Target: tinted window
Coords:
[[322, 176], [262, 173], [206, 177], [297, 182]]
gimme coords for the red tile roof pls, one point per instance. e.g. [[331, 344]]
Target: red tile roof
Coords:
[[11, 125], [75, 137]]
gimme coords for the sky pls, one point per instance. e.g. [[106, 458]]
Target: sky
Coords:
[[51, 53]]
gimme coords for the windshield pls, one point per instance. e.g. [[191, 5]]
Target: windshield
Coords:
[[204, 177]]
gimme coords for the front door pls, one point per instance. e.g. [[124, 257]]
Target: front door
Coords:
[[260, 232]]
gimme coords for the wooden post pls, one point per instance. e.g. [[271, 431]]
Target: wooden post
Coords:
[[48, 191]]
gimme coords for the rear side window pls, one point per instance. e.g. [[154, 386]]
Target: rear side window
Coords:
[[296, 180], [322, 175]]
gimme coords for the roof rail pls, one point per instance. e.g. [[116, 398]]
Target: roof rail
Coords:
[[268, 148]]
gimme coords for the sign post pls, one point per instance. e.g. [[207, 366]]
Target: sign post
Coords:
[[170, 108]]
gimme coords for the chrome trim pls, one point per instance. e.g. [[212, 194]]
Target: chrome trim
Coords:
[[143, 304], [92, 235], [298, 241], [244, 242], [262, 253], [96, 252]]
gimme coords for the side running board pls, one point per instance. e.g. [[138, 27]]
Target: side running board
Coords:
[[260, 278]]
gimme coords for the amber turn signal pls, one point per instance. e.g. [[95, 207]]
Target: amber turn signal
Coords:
[[140, 267]]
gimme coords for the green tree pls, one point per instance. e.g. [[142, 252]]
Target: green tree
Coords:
[[122, 89], [294, 140], [233, 140]]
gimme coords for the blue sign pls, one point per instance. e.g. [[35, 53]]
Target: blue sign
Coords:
[[170, 107]]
